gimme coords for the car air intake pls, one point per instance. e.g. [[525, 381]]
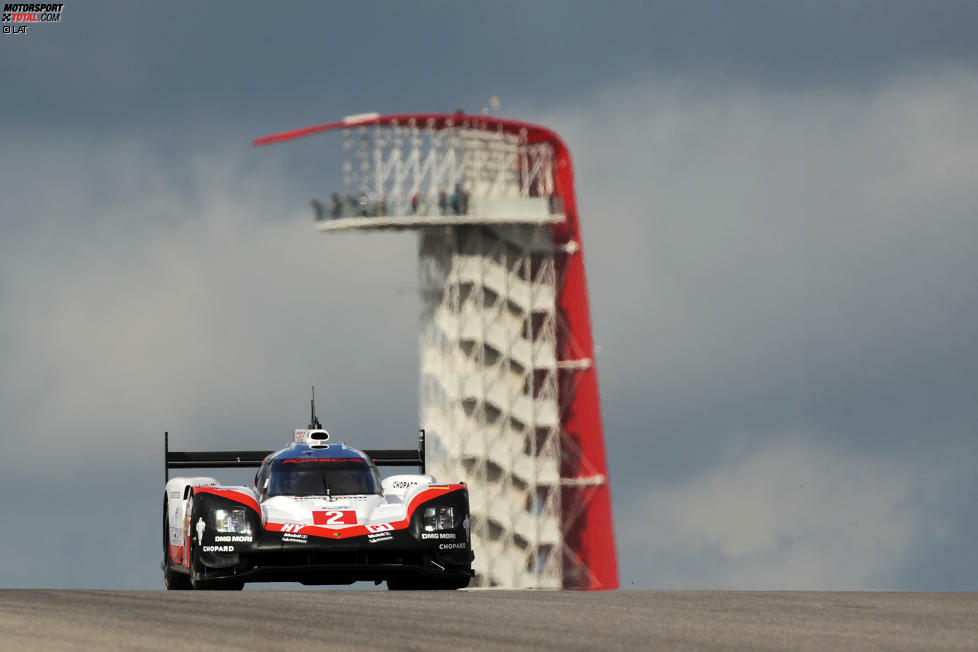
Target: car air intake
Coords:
[[317, 438]]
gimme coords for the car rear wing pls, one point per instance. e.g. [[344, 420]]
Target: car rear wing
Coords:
[[253, 459]]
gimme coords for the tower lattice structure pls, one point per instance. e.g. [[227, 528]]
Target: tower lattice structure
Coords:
[[508, 385]]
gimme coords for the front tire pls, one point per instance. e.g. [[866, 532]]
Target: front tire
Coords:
[[173, 579], [197, 581]]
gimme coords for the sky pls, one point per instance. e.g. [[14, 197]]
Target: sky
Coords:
[[779, 206]]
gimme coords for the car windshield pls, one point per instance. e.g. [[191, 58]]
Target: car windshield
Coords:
[[323, 477]]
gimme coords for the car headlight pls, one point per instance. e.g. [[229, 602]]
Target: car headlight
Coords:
[[232, 521], [438, 517]]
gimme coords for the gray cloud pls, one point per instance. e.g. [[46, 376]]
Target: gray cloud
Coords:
[[773, 263], [146, 322], [112, 64], [793, 514], [795, 241]]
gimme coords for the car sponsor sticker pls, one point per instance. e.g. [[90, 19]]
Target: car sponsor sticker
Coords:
[[217, 548], [451, 546], [313, 460], [437, 535], [245, 538], [335, 517], [379, 527], [331, 499], [377, 537]]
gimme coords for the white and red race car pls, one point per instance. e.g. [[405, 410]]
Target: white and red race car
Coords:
[[317, 513]]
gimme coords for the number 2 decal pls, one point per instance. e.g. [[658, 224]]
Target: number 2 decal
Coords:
[[335, 518]]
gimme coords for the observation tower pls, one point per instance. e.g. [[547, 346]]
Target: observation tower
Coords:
[[508, 386]]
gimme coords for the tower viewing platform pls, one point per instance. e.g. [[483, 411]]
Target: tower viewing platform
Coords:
[[407, 172]]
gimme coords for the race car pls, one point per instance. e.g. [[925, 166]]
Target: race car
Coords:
[[318, 512]]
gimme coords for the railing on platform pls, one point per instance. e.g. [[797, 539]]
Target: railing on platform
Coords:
[[531, 209]]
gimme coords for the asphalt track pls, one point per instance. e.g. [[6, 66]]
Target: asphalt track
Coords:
[[346, 620]]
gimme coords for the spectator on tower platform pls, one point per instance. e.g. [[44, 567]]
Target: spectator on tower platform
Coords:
[[456, 199], [317, 208], [336, 209], [415, 201], [442, 202]]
